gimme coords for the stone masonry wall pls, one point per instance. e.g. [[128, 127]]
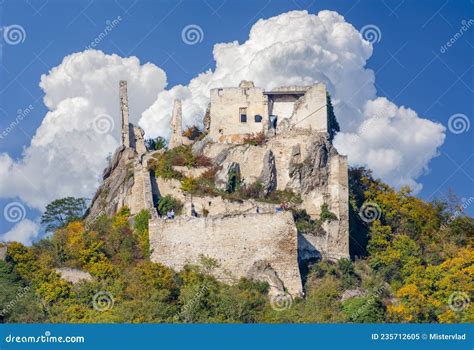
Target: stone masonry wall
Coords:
[[225, 123], [294, 146], [310, 111], [239, 243]]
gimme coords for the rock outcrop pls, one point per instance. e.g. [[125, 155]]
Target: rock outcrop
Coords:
[[262, 270], [313, 171], [74, 275], [116, 189], [228, 175], [268, 176]]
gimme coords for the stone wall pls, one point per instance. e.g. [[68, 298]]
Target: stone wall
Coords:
[[327, 176], [211, 205], [225, 124], [282, 106], [338, 188], [241, 244], [142, 193], [310, 111]]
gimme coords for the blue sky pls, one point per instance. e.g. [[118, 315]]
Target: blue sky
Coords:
[[410, 67]]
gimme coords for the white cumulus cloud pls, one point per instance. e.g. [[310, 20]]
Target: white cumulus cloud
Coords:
[[26, 231], [68, 152], [298, 48]]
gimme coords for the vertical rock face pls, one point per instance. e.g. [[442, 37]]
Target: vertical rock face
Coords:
[[223, 176], [269, 175], [124, 111], [262, 270], [116, 189], [138, 134], [126, 182], [207, 119], [313, 171], [176, 125]]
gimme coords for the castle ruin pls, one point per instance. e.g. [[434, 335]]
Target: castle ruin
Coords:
[[248, 238]]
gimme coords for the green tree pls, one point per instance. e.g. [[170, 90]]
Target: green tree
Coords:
[[17, 301], [156, 144], [333, 125], [63, 211], [141, 229]]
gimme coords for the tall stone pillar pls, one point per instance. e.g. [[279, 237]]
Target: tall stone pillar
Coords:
[[124, 110], [176, 125]]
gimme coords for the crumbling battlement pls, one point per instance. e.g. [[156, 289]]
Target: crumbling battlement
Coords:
[[236, 112]]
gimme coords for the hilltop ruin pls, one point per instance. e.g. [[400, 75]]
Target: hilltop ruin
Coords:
[[278, 142]]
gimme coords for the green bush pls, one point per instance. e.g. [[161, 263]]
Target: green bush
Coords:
[[348, 277], [141, 229], [364, 309], [233, 181], [326, 214], [304, 223], [189, 184], [168, 203], [124, 211], [163, 163]]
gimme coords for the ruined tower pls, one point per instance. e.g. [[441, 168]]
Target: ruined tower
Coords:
[[124, 111], [176, 125]]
